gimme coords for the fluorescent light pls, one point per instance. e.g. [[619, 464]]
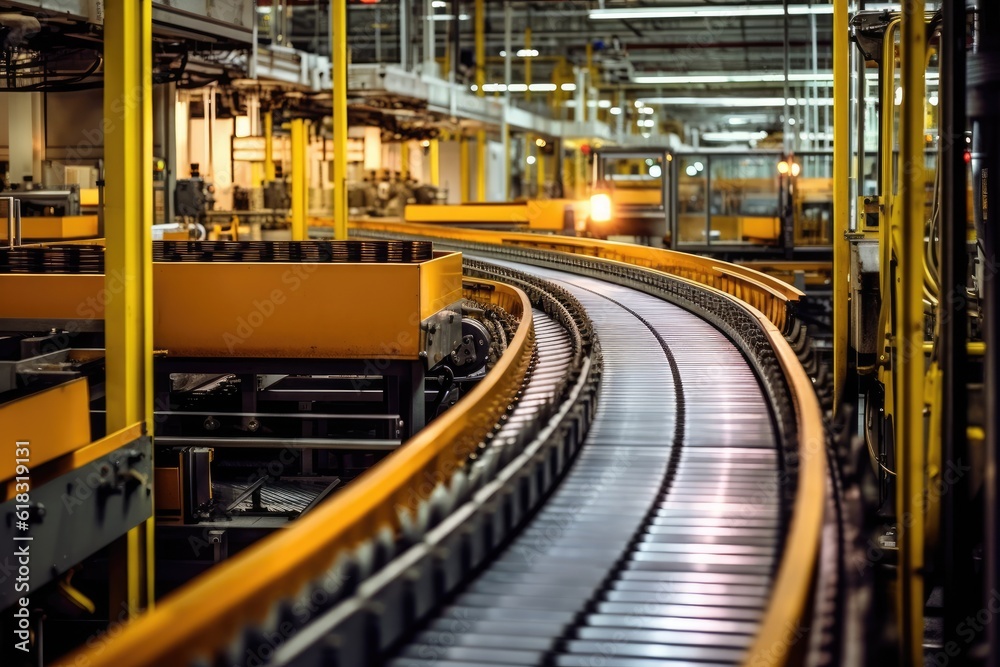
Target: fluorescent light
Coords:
[[503, 54], [734, 136], [542, 87], [439, 4], [604, 104], [494, 88], [739, 102], [568, 87], [648, 110], [738, 121], [688, 79], [527, 53], [517, 88], [616, 111], [627, 14]]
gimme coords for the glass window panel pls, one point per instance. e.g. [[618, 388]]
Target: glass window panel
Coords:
[[744, 200], [692, 191]]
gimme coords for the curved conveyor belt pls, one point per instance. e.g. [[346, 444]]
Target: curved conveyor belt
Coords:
[[658, 546]]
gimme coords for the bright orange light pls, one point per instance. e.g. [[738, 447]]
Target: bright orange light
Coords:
[[796, 169], [600, 208], [783, 167]]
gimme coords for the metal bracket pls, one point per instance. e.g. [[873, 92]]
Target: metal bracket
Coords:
[[442, 334], [77, 514]]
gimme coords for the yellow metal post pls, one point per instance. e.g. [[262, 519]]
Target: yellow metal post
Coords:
[[404, 160], [480, 83], [435, 158], [527, 63], [540, 173], [128, 156], [910, 454], [269, 172], [463, 166], [338, 14], [481, 165], [841, 195], [300, 180]]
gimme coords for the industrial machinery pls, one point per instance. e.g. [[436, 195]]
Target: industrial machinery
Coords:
[[271, 404], [731, 205], [75, 489], [50, 214], [916, 307]]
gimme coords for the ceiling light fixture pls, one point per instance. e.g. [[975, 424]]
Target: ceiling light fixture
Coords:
[[737, 102], [632, 13], [689, 79]]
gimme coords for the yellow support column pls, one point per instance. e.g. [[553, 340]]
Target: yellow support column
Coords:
[[404, 160], [338, 15], [910, 454], [269, 171], [300, 180], [435, 158], [480, 83], [463, 166], [540, 174], [527, 64], [841, 195], [128, 325]]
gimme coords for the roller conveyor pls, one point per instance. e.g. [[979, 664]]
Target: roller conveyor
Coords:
[[659, 544]]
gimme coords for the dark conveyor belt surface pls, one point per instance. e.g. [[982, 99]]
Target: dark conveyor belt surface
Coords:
[[658, 546]]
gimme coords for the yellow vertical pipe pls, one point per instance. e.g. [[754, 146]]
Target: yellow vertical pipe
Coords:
[[404, 160], [540, 173], [435, 157], [480, 46], [338, 15], [128, 154], [269, 173], [480, 83], [910, 459], [300, 180], [527, 63], [481, 166], [463, 167], [506, 163], [841, 195]]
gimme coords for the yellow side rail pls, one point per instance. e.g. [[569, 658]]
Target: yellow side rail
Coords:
[[786, 623], [768, 295], [208, 614]]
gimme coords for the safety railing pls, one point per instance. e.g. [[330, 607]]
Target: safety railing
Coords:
[[210, 613]]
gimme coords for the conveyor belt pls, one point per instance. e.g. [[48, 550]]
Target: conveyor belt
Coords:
[[659, 545]]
